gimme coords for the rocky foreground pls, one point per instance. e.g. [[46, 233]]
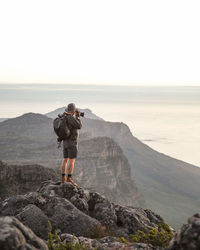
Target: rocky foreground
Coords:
[[90, 217]]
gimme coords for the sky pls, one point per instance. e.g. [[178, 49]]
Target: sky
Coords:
[[100, 42]]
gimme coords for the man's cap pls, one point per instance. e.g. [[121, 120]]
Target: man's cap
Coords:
[[70, 107]]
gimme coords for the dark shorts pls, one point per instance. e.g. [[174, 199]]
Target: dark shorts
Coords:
[[70, 151]]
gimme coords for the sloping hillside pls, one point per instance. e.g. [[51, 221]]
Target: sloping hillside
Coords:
[[170, 186]]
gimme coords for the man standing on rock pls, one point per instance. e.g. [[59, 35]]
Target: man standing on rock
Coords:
[[70, 145]]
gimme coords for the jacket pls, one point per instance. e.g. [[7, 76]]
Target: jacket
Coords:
[[74, 124]]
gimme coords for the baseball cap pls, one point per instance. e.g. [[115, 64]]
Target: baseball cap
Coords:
[[70, 107]]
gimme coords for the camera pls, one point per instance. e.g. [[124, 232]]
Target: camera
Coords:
[[81, 113]]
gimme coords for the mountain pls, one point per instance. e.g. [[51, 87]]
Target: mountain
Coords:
[[87, 113], [169, 186], [3, 119]]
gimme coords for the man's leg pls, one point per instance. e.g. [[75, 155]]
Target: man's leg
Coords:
[[64, 165], [71, 166], [70, 171], [72, 157]]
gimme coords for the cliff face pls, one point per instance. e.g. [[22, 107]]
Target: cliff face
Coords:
[[101, 165], [15, 179], [169, 185]]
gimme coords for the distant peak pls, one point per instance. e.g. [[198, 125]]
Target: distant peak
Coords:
[[28, 118]]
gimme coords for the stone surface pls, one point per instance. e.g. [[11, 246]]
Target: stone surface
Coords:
[[20, 179], [84, 213], [188, 236], [75, 210], [14, 235], [33, 217]]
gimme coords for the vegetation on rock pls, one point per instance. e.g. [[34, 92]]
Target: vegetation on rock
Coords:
[[55, 243], [157, 237]]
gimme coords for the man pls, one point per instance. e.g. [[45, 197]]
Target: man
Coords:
[[70, 145]]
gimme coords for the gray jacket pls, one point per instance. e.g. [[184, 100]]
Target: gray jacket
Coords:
[[74, 124]]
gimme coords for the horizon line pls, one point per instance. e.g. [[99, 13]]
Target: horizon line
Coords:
[[105, 84]]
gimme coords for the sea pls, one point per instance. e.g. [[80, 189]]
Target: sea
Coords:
[[166, 118]]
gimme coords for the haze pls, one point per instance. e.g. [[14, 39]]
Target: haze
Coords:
[[107, 42]]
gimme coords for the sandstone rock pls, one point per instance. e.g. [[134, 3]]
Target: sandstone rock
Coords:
[[14, 235]]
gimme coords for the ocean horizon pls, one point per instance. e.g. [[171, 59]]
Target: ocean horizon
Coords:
[[165, 118]]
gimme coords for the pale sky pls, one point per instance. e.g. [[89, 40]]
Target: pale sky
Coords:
[[107, 42]]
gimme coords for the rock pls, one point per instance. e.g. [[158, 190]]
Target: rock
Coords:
[[13, 205], [66, 238], [20, 179], [188, 236], [67, 218], [78, 196], [102, 209], [75, 210], [14, 235], [136, 218], [33, 217]]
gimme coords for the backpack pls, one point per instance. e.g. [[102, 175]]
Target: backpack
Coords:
[[61, 127]]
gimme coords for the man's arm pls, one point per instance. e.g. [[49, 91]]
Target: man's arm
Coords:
[[75, 122]]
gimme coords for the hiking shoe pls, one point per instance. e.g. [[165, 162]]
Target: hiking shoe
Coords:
[[69, 179], [63, 179]]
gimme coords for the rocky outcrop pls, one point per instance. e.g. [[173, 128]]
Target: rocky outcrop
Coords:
[[188, 236], [76, 211], [14, 235], [16, 179]]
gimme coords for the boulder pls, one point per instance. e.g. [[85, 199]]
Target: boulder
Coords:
[[33, 217], [188, 236], [14, 235]]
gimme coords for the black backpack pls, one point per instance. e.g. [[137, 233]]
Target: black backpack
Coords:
[[61, 127]]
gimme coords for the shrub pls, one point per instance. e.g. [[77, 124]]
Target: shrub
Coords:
[[55, 243], [123, 240], [157, 237]]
